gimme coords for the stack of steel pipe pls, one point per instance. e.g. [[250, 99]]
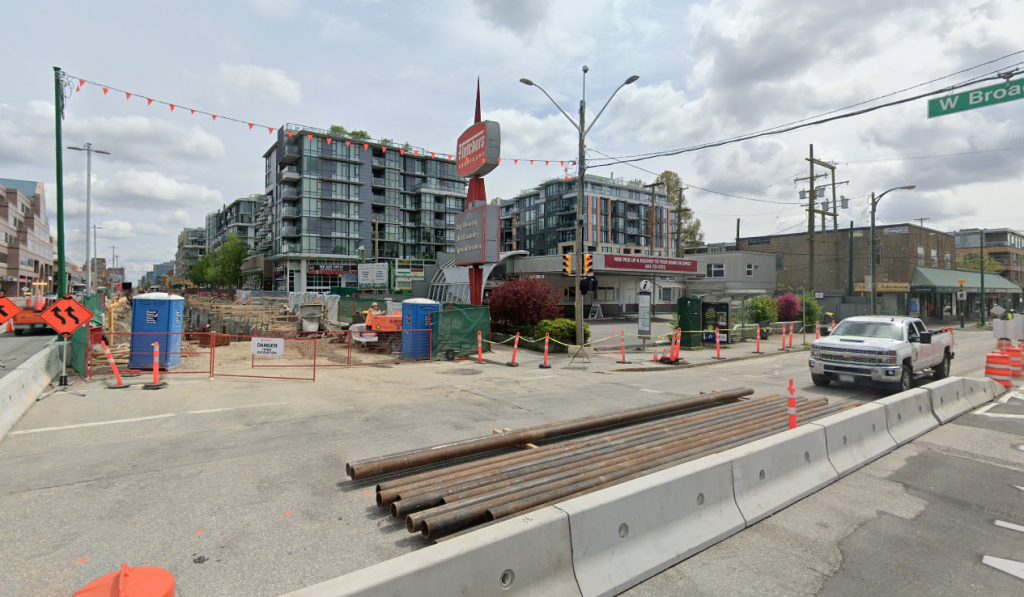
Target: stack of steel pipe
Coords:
[[441, 502]]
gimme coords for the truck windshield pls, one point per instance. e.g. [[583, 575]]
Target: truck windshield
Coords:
[[869, 329]]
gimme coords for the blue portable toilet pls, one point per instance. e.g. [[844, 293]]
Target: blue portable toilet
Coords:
[[156, 317], [415, 327]]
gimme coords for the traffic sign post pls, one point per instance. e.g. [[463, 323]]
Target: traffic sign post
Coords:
[[65, 316], [962, 298]]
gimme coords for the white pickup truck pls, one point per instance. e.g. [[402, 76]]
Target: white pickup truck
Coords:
[[880, 350]]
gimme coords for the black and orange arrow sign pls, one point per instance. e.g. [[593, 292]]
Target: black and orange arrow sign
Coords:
[[7, 309], [65, 316]]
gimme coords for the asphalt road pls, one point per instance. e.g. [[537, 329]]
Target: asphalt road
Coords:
[[238, 488], [14, 350]]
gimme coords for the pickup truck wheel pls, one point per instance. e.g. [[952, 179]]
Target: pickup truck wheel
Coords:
[[941, 371], [906, 379], [820, 380]]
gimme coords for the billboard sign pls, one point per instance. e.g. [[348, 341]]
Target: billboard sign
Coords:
[[639, 262], [479, 149], [373, 275], [476, 236]]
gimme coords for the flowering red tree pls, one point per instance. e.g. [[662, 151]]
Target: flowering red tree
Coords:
[[789, 307], [523, 302]]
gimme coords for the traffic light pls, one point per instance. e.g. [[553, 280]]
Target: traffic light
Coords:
[[567, 264], [588, 264]]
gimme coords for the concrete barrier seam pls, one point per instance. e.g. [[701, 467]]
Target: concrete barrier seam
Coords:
[[850, 443], [909, 415]]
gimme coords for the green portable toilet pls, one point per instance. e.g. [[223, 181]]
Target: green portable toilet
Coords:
[[688, 308]]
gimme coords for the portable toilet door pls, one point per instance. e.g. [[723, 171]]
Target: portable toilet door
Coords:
[[416, 314], [156, 317]]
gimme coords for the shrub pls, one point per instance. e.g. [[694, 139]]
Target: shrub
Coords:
[[521, 303], [563, 330], [789, 307], [811, 313], [762, 308]]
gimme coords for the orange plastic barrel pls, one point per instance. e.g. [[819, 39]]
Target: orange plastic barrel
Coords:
[[998, 368], [142, 581], [1016, 362]]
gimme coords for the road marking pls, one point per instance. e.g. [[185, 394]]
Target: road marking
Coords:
[[984, 412], [651, 391], [217, 410], [96, 424], [1019, 487], [1011, 567], [540, 377], [983, 409], [1009, 525]]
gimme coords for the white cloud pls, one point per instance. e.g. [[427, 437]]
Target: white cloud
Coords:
[[233, 82], [117, 229], [149, 190]]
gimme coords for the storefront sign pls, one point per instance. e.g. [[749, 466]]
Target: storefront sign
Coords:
[[479, 149], [883, 287], [268, 346], [761, 240], [897, 230], [373, 275], [637, 262], [476, 236], [324, 270]]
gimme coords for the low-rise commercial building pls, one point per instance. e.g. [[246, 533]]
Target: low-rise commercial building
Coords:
[[1002, 245]]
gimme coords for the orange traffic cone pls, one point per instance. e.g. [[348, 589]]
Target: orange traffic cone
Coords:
[[141, 581], [10, 326]]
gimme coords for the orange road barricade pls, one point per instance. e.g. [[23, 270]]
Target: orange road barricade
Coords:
[[718, 346], [515, 349], [547, 337], [622, 335], [998, 368], [817, 331], [479, 347], [1016, 364], [758, 350], [120, 385], [791, 326], [157, 384], [783, 337]]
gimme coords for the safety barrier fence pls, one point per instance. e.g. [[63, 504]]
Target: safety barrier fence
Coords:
[[266, 354], [603, 543]]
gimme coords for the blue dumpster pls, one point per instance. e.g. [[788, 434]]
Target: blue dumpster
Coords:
[[416, 327], [156, 317]]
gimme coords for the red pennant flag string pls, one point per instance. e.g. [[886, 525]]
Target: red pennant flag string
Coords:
[[431, 154], [499, 160], [449, 156], [348, 143], [290, 133], [562, 163], [250, 126], [415, 152], [81, 82], [105, 91], [77, 89], [401, 152], [531, 162], [214, 116], [310, 137], [149, 102], [270, 130], [366, 146], [383, 149], [127, 95], [517, 162], [172, 107], [193, 112], [329, 140]]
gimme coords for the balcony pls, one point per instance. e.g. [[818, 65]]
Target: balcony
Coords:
[[290, 193], [290, 174], [379, 162], [290, 154], [378, 182], [291, 248], [439, 188], [291, 212], [289, 231]]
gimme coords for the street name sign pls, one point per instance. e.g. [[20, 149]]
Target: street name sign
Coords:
[[65, 316], [976, 98], [7, 309]]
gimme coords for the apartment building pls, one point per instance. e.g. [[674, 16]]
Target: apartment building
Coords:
[[238, 218], [618, 214], [191, 246], [332, 200], [1002, 245], [26, 248]]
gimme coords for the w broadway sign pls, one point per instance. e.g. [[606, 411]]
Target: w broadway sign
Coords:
[[976, 98]]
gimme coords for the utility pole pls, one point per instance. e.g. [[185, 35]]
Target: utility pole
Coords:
[[113, 256], [678, 211], [58, 114], [922, 221], [581, 186], [654, 278], [88, 203], [95, 252], [982, 249], [737, 234], [849, 262], [810, 222], [874, 205]]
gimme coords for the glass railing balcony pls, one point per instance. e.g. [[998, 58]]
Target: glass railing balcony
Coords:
[[290, 193], [378, 182], [291, 212], [379, 162], [289, 231], [291, 248], [290, 153]]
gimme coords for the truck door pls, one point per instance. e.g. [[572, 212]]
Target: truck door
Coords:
[[922, 352]]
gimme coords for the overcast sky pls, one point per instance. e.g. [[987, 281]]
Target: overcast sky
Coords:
[[407, 71]]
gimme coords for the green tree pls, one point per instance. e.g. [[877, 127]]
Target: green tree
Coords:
[[337, 128], [386, 141], [203, 272], [230, 257], [359, 134], [762, 308], [686, 227], [811, 311], [972, 262]]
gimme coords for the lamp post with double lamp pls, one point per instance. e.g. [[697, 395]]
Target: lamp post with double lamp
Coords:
[[582, 129], [88, 205], [874, 204]]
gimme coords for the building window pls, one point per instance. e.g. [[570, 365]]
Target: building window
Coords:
[[935, 258], [878, 255], [716, 270], [920, 257], [750, 270], [780, 262], [666, 295], [605, 293], [945, 258]]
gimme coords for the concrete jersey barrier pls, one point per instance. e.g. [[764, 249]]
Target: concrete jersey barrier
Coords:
[[909, 414], [627, 533], [856, 437], [948, 398], [772, 473], [20, 388], [527, 555], [981, 391]]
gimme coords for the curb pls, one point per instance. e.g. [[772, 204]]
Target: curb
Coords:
[[706, 363]]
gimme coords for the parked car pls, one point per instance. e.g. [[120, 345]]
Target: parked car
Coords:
[[880, 350]]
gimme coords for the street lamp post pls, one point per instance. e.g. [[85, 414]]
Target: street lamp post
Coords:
[[88, 205], [874, 204], [582, 129]]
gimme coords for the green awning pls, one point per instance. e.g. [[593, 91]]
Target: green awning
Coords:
[[930, 279]]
